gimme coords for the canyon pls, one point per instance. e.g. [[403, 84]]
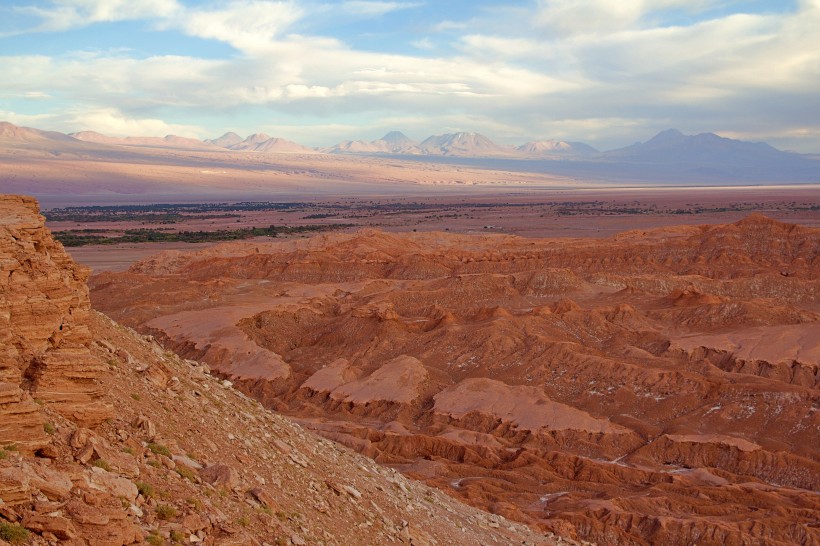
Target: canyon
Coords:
[[657, 386], [107, 438]]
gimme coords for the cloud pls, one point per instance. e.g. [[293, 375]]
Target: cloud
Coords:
[[597, 70], [424, 43], [250, 26], [36, 95], [372, 8], [110, 121], [67, 14], [571, 17]]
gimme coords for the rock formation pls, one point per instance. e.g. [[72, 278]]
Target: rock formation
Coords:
[[656, 387], [108, 439], [44, 337]]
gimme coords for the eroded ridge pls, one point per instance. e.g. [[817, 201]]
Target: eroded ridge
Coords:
[[655, 387]]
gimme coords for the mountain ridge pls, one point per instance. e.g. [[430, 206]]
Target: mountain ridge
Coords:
[[670, 157], [457, 143]]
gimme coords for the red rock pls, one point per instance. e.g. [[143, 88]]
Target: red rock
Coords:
[[60, 527], [220, 475], [43, 310]]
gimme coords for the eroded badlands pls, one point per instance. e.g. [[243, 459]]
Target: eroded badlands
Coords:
[[657, 386]]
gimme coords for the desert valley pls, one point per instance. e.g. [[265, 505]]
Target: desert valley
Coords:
[[376, 272], [271, 340]]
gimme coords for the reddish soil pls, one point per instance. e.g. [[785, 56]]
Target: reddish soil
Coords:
[[658, 386]]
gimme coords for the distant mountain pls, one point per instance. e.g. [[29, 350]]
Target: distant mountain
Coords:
[[11, 133], [394, 142], [672, 145], [557, 148], [260, 142], [251, 142], [226, 141], [708, 157], [169, 141], [354, 147], [463, 144], [282, 146]]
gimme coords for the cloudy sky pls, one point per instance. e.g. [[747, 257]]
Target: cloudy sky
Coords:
[[604, 72]]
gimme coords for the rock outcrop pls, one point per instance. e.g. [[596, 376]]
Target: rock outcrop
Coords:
[[44, 337]]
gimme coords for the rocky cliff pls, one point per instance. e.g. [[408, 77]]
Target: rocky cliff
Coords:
[[44, 337], [108, 439]]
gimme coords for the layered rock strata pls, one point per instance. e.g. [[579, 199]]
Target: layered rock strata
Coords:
[[44, 337]]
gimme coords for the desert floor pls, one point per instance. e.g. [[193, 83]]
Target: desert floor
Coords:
[[593, 212]]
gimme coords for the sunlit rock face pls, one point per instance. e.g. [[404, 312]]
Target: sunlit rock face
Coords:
[[44, 335]]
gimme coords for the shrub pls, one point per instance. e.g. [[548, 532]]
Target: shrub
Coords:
[[145, 489], [186, 473], [102, 463], [166, 511], [13, 533], [48, 428], [159, 449], [154, 540]]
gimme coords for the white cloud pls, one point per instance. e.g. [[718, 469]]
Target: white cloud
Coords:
[[66, 14], [424, 44], [110, 121], [36, 95], [604, 16], [372, 8], [249, 26]]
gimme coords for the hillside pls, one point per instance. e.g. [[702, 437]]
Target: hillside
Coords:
[[106, 438], [655, 387]]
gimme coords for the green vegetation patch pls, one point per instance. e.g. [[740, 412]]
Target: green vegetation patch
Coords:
[[13, 533], [73, 238], [159, 449]]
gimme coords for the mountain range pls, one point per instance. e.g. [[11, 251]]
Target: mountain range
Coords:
[[669, 156]]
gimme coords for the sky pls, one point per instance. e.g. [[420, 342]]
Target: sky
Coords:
[[605, 72]]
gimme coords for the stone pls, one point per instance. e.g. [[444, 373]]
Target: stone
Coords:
[[52, 483], [220, 475], [61, 527], [112, 484], [144, 425], [14, 486], [193, 523], [264, 498]]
